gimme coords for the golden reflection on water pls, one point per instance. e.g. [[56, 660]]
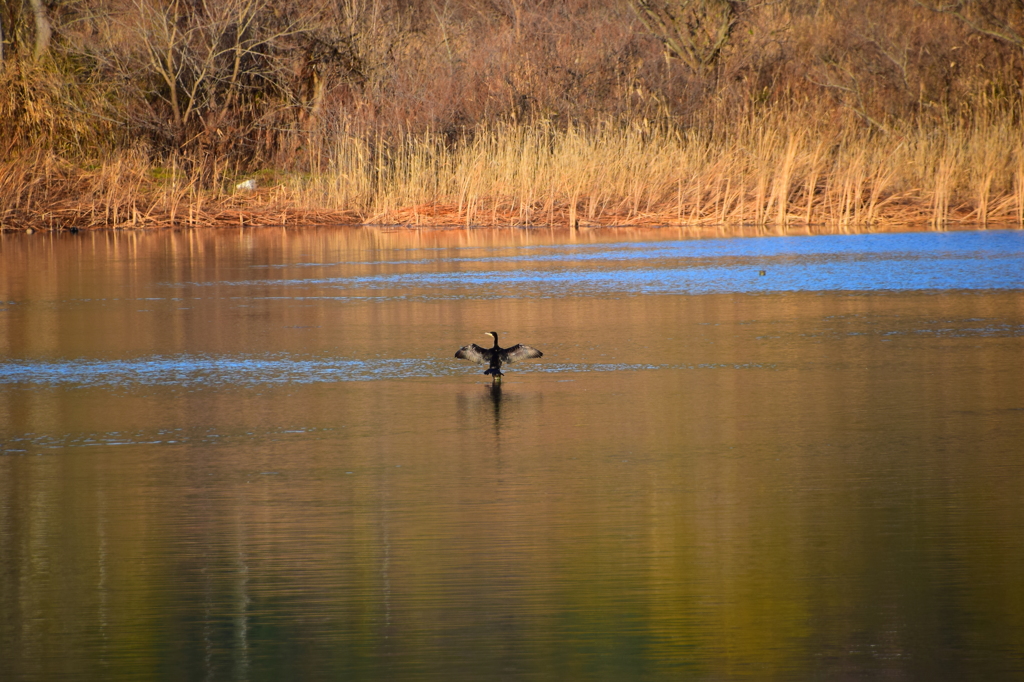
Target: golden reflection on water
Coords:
[[796, 485]]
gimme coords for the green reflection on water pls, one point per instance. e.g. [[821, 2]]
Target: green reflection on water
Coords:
[[800, 486]]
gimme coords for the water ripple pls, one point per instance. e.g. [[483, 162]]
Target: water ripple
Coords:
[[889, 262], [233, 371], [202, 370]]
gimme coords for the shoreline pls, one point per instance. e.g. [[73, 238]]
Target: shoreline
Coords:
[[428, 218], [768, 172], [256, 210]]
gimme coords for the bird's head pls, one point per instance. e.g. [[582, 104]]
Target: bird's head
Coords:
[[494, 334]]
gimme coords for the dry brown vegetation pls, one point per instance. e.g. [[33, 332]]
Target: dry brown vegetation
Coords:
[[513, 112]]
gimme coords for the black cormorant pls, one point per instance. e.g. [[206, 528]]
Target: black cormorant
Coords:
[[496, 355]]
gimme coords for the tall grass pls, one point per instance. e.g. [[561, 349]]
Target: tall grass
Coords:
[[782, 169], [785, 168]]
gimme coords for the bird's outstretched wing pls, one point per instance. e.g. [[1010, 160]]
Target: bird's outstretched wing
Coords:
[[519, 352], [474, 353]]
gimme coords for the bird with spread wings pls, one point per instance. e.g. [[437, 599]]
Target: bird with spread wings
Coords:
[[496, 355]]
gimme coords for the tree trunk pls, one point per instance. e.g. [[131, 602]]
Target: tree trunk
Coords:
[[43, 31]]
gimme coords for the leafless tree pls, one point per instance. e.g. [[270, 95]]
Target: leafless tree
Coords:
[[999, 19], [692, 31], [16, 17]]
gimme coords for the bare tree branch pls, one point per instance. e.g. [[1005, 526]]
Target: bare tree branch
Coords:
[[693, 31], [999, 19]]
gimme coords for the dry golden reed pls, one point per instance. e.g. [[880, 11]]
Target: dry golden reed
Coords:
[[781, 169], [778, 170]]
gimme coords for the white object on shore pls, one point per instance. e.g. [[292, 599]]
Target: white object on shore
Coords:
[[246, 185]]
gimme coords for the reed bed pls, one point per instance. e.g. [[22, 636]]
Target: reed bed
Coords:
[[781, 169], [126, 192], [784, 168]]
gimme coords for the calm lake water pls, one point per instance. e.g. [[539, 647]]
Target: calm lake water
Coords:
[[251, 455]]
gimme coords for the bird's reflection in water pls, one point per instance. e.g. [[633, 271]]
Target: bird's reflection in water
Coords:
[[481, 408], [495, 407], [495, 394]]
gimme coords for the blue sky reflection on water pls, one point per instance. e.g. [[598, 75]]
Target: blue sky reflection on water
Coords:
[[210, 371], [919, 261], [246, 371], [889, 262], [928, 262]]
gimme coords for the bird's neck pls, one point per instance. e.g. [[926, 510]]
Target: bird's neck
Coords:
[[495, 340]]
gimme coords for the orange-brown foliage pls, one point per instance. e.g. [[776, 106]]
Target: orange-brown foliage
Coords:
[[214, 91]]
